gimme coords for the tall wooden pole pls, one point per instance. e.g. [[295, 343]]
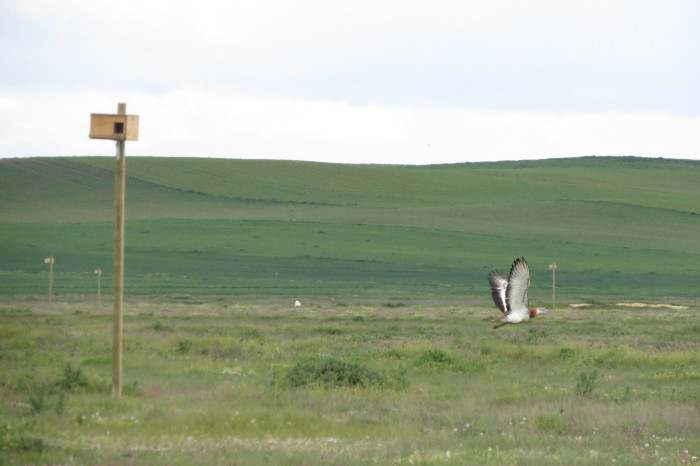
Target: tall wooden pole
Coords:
[[120, 128], [120, 188]]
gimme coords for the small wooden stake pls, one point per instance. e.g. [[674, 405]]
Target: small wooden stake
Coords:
[[98, 272], [553, 266], [50, 261]]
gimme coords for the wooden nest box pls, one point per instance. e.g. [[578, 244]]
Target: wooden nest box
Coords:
[[116, 127]]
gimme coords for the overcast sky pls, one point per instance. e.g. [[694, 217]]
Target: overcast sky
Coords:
[[357, 81]]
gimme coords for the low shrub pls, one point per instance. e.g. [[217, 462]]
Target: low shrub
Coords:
[[183, 347], [72, 378], [336, 373], [550, 423], [439, 359], [586, 383]]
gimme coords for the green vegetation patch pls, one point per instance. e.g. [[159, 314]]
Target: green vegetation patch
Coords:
[[334, 373], [227, 379]]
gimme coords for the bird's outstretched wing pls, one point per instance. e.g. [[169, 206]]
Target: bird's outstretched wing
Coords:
[[518, 284], [499, 284]]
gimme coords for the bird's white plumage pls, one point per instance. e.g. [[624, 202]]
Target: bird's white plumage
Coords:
[[517, 301], [510, 295]]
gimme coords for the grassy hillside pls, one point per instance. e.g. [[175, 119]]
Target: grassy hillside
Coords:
[[616, 227]]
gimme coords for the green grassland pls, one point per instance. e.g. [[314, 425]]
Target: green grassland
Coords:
[[392, 358], [362, 381], [618, 228]]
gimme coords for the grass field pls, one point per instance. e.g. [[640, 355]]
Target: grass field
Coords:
[[228, 381], [392, 358], [616, 227]]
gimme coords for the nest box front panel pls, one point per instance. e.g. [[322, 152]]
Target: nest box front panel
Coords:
[[116, 127]]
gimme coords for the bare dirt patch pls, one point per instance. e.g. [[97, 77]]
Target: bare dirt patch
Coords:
[[668, 306]]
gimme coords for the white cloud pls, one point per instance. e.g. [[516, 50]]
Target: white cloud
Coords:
[[177, 41], [418, 81], [223, 123]]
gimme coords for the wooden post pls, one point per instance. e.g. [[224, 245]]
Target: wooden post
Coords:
[[50, 261], [553, 266], [98, 272], [120, 128], [120, 187]]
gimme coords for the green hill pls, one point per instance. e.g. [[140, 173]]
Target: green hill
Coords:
[[617, 227]]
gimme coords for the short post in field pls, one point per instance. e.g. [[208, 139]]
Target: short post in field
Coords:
[[98, 272], [50, 260], [553, 266], [120, 128]]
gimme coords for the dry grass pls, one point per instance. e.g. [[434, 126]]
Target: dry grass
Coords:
[[204, 382]]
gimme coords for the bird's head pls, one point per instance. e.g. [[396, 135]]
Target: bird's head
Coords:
[[537, 311]]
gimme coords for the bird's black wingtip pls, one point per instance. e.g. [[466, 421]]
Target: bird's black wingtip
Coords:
[[517, 262]]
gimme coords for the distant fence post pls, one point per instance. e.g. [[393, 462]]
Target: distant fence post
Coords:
[[98, 272], [553, 266], [50, 260]]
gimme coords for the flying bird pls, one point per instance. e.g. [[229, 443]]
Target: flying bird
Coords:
[[510, 295]]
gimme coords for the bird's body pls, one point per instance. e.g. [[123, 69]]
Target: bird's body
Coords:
[[510, 295]]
